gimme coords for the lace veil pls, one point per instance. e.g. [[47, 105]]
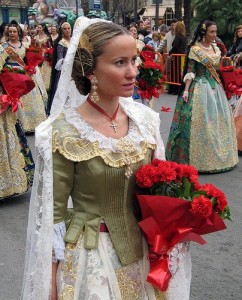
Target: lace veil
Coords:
[[38, 260]]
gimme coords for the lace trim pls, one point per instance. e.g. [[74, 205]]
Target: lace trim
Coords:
[[79, 150], [58, 241], [86, 143]]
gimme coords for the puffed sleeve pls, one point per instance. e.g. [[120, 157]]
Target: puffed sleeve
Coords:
[[191, 70]]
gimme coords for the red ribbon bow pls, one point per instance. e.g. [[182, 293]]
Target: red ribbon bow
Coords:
[[7, 100], [166, 222]]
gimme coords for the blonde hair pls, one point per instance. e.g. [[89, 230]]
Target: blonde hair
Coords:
[[65, 23], [180, 28]]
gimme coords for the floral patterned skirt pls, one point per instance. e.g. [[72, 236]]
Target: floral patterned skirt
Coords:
[[98, 275], [32, 113], [16, 162]]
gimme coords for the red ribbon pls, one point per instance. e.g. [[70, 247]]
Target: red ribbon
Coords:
[[166, 222], [160, 246], [7, 100]]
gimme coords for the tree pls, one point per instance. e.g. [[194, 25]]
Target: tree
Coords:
[[178, 9], [226, 14], [187, 5]]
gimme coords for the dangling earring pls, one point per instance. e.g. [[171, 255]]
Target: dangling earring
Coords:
[[94, 96], [203, 39]]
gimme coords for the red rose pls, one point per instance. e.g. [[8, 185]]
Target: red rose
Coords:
[[201, 206]]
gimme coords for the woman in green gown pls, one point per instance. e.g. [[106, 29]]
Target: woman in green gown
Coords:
[[202, 131]]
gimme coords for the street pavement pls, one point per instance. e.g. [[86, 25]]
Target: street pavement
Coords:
[[216, 266]]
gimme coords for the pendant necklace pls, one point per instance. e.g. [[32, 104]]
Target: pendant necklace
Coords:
[[103, 112], [206, 48]]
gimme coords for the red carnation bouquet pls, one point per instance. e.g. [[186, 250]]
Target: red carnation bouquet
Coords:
[[232, 80], [34, 58], [48, 54], [150, 79], [175, 208]]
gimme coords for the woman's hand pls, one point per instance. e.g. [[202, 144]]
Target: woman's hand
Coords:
[[185, 96]]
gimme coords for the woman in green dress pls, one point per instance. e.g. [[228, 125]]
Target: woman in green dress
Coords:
[[91, 152], [202, 131]]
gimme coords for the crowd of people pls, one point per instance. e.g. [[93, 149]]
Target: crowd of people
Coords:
[[91, 136]]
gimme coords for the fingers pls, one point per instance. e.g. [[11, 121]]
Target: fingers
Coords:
[[185, 96]]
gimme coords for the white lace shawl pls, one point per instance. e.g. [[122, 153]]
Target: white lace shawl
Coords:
[[37, 279]]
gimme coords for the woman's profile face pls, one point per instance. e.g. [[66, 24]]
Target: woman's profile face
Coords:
[[239, 33], [115, 68], [211, 33]]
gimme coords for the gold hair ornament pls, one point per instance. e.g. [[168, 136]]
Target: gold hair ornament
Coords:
[[204, 27], [85, 43]]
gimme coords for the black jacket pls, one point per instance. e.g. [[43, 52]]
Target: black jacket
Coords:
[[235, 49], [179, 44]]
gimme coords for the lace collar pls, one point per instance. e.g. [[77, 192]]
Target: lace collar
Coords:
[[141, 125]]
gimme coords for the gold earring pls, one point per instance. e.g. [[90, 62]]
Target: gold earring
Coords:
[[94, 97]]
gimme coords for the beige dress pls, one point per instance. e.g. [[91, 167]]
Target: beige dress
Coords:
[[32, 113], [45, 69]]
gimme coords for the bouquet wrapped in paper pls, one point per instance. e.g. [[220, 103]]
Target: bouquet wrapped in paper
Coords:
[[150, 79], [14, 86], [175, 208], [34, 58], [48, 55]]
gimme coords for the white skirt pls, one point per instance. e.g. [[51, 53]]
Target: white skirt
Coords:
[[98, 274]]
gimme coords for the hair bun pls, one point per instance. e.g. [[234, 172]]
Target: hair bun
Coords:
[[84, 59]]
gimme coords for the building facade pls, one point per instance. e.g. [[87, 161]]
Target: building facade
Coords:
[[166, 10], [14, 10]]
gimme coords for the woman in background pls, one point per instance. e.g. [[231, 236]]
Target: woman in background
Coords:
[[13, 53], [202, 132], [42, 40], [235, 52], [60, 50], [54, 34], [179, 46]]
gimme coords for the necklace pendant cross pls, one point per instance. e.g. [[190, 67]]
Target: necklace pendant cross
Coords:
[[114, 126]]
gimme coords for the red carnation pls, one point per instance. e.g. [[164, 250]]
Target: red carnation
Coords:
[[187, 171], [202, 206], [214, 192], [144, 176], [152, 65]]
